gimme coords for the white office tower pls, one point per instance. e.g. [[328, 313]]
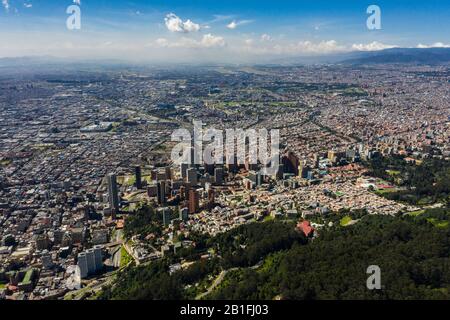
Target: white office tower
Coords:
[[90, 261], [83, 265], [73, 281], [98, 257]]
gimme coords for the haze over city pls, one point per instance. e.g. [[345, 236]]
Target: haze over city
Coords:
[[216, 31]]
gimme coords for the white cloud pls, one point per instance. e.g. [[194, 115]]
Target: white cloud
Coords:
[[175, 24], [221, 17], [266, 37], [5, 4], [312, 47], [434, 45], [293, 48], [373, 46], [162, 42], [234, 24], [27, 5], [78, 2], [207, 41]]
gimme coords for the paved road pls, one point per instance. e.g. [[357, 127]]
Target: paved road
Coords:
[[216, 282], [220, 278]]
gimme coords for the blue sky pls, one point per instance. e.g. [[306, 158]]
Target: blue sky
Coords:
[[224, 30]]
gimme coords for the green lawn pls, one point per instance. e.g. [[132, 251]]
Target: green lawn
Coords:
[[416, 213], [438, 223], [345, 221], [393, 172], [125, 258]]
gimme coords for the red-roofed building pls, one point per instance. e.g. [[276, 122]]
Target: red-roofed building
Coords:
[[305, 227]]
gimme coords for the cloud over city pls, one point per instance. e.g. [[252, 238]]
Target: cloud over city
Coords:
[[176, 24]]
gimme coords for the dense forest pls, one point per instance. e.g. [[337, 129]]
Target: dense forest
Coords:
[[275, 261], [423, 184], [143, 221], [413, 255], [243, 246]]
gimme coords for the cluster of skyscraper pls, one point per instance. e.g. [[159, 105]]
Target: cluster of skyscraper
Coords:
[[90, 261]]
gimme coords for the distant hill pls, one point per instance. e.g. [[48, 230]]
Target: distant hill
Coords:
[[431, 56], [401, 55]]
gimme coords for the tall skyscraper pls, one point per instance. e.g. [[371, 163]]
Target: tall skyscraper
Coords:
[[218, 176], [194, 200], [161, 192], [90, 261], [280, 171], [98, 257], [303, 169], [183, 170], [184, 214], [83, 265], [290, 162], [113, 194], [138, 176], [182, 193], [192, 176], [211, 198], [166, 215], [316, 161], [168, 173]]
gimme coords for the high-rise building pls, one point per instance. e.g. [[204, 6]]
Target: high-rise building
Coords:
[[280, 171], [218, 176], [152, 190], [331, 155], [211, 198], [168, 173], [182, 193], [231, 164], [138, 176], [83, 265], [154, 174], [316, 161], [194, 200], [166, 215], [90, 261], [183, 170], [290, 162], [98, 257], [209, 168], [303, 169], [113, 194], [192, 176], [184, 214], [161, 192]]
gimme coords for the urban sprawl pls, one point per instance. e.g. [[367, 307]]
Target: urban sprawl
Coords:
[[82, 152]]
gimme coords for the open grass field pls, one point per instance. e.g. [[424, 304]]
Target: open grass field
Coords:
[[125, 258], [345, 221]]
